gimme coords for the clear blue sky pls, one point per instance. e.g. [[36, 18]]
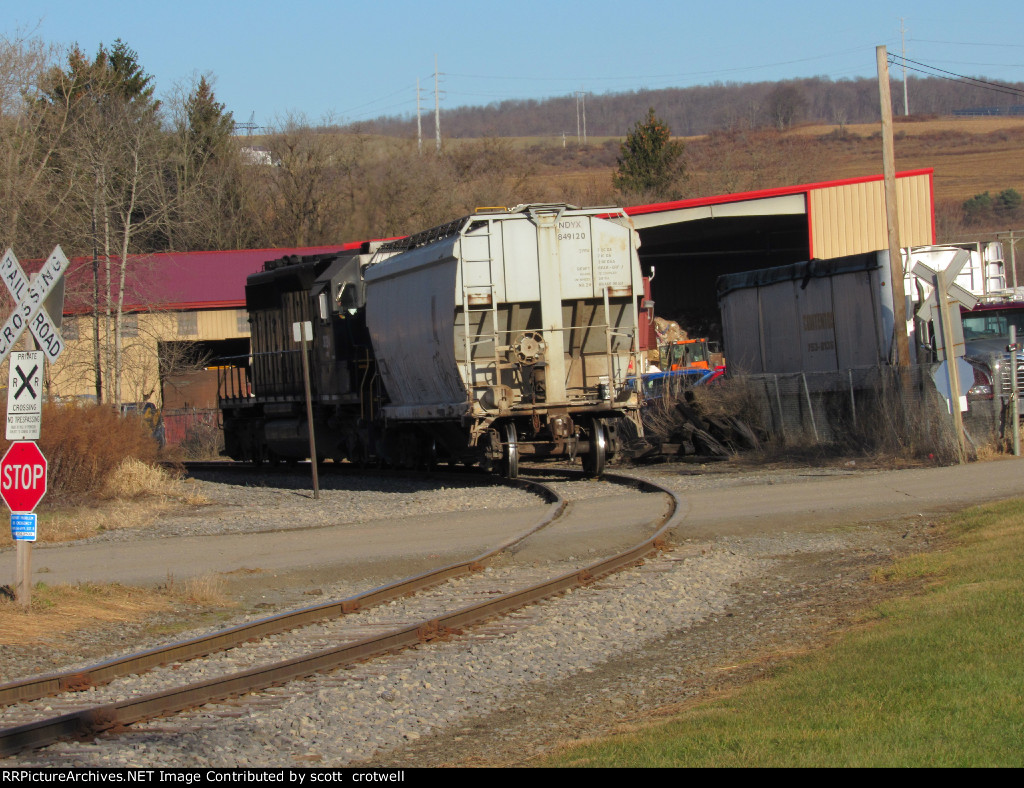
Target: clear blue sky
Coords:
[[357, 60]]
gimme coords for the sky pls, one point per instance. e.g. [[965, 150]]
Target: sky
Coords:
[[341, 61]]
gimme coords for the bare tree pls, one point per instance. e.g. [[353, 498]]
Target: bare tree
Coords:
[[111, 161], [29, 140]]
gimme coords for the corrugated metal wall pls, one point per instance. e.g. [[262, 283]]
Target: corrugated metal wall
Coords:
[[850, 218], [214, 324]]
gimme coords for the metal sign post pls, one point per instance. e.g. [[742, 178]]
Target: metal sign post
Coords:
[[303, 333]]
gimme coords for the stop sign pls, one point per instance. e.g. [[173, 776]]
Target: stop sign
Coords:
[[23, 476]]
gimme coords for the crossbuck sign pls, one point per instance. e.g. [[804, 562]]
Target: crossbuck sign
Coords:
[[29, 313]]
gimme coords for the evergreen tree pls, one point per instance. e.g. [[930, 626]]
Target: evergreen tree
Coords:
[[651, 165], [209, 126]]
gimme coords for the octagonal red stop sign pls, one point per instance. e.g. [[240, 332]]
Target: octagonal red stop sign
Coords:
[[23, 476]]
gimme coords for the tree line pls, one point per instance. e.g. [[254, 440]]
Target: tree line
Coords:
[[703, 109]]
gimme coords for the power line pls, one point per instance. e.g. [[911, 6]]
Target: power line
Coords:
[[685, 75], [965, 43], [935, 71]]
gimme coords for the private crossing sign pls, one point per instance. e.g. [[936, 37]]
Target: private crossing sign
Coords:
[[29, 312], [24, 396]]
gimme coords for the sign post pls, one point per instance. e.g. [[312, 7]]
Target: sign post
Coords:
[[22, 485], [303, 334], [949, 336], [23, 467]]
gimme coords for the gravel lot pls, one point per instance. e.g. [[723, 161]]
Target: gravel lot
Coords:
[[719, 609]]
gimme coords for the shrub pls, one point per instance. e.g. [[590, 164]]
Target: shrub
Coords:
[[85, 444]]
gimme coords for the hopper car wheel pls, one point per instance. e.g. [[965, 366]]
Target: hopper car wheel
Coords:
[[510, 453], [594, 459]]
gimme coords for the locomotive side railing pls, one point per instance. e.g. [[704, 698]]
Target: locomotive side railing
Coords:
[[233, 380]]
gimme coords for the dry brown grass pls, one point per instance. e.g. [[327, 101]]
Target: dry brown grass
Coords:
[[134, 495], [60, 610], [84, 446], [207, 590], [969, 156], [920, 127]]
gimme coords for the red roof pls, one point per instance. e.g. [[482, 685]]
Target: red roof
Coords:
[[182, 280], [637, 210]]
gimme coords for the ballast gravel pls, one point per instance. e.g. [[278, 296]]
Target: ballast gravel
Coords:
[[685, 624]]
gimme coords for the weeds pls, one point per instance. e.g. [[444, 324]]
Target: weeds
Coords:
[[875, 413], [206, 589], [85, 445], [62, 609]]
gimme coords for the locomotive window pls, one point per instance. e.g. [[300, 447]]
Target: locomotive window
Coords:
[[348, 298]]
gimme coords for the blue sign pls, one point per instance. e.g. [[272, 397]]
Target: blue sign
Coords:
[[23, 527]]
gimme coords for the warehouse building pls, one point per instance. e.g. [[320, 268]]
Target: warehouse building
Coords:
[[686, 245]]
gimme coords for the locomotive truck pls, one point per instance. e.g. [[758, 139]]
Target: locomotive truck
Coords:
[[501, 335]]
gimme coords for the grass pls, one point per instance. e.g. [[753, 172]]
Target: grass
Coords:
[[935, 679], [59, 610]]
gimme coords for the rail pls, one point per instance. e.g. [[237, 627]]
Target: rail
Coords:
[[92, 720]]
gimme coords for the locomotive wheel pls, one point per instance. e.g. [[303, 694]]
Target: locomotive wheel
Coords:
[[594, 459], [510, 453]]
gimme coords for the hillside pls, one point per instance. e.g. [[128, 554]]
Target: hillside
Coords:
[[969, 156]]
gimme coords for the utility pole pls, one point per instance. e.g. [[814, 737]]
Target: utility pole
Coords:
[[1013, 260], [583, 101], [419, 120], [579, 138], [903, 53], [899, 305], [437, 109]]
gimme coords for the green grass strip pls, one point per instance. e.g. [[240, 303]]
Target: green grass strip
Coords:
[[936, 679]]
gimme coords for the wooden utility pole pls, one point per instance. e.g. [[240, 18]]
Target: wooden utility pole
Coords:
[[419, 122], [899, 305], [437, 109]]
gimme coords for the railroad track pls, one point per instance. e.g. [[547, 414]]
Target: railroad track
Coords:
[[51, 708]]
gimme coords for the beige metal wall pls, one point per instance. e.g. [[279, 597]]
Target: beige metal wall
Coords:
[[850, 218], [73, 375]]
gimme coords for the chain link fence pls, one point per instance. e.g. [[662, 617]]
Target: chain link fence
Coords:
[[196, 431], [868, 409]]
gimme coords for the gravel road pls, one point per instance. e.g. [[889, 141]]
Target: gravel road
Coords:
[[766, 562]]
